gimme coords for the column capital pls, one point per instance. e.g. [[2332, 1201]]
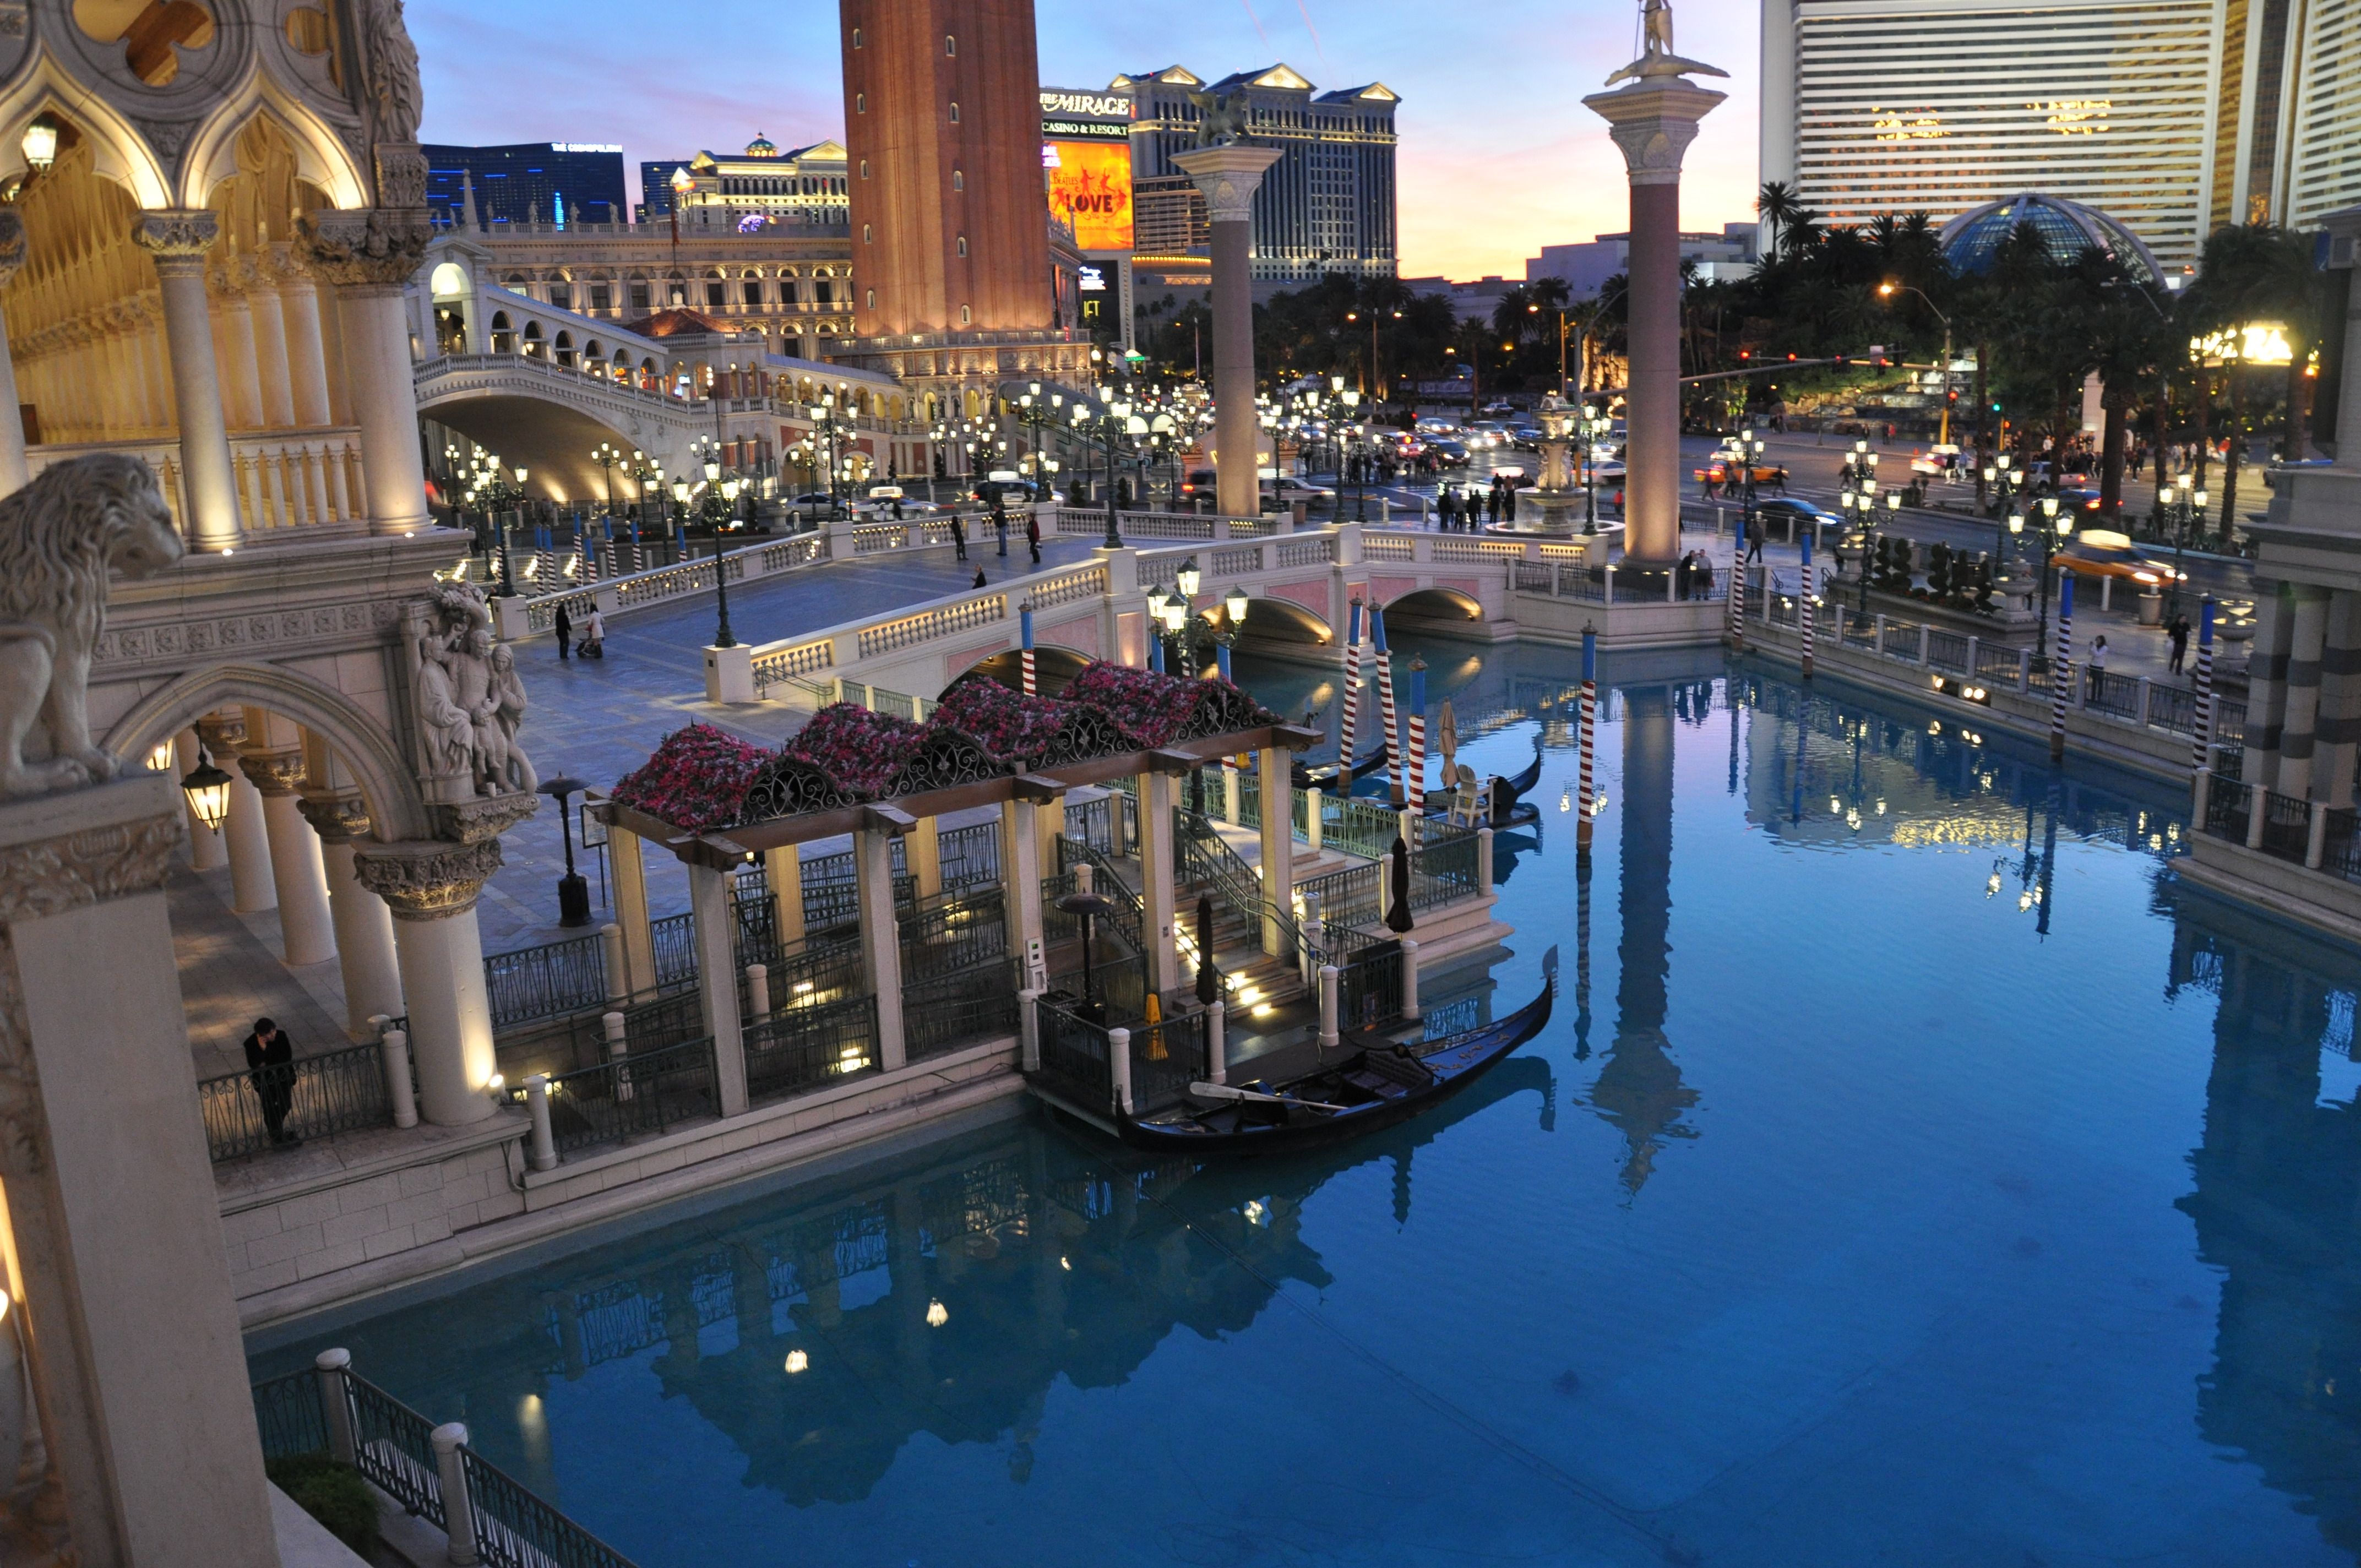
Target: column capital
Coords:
[[427, 878], [369, 246], [1228, 175], [273, 773], [222, 736], [178, 238], [336, 818], [1654, 120]]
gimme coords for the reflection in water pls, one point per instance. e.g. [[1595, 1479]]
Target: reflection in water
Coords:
[[1640, 1089], [2278, 1202], [821, 1335]]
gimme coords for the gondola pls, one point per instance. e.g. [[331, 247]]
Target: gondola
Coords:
[[1374, 1082], [1509, 809], [1324, 776]]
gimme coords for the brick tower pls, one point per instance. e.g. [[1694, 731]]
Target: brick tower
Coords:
[[950, 222]]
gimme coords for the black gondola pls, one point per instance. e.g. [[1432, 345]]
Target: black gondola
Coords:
[[1324, 776], [1508, 808], [1374, 1083]]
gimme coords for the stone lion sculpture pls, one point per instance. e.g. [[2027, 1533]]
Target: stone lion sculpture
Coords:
[[60, 536]]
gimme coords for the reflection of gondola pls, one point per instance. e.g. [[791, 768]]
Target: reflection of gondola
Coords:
[[1508, 848], [1376, 1085]]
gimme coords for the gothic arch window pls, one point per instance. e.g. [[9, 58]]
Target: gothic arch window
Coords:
[[564, 347], [532, 344], [962, 245], [955, 119], [503, 336]]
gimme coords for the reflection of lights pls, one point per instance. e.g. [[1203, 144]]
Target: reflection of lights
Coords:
[[2024, 901], [1881, 806], [1066, 1264], [936, 1314], [1254, 1212], [1853, 819], [797, 1361], [1992, 882], [1834, 806], [1565, 799]]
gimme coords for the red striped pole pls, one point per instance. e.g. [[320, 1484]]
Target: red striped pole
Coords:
[[1346, 753], [1386, 711], [1588, 804], [1025, 625], [2061, 668], [1738, 589], [2201, 731]]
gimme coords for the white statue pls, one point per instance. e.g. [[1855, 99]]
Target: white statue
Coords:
[[1656, 56], [394, 91], [471, 700], [60, 536]]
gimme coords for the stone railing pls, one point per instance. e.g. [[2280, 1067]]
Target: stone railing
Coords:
[[289, 478]]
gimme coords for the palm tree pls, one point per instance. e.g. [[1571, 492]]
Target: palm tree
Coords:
[[2251, 273], [1778, 204]]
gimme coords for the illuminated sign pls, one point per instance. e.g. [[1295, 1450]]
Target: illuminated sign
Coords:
[[2074, 116], [1098, 105], [753, 222], [1089, 188], [2257, 343], [586, 147], [1092, 279]]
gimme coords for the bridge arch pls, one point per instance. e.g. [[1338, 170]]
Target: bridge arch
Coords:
[[1436, 605], [1284, 621], [1053, 667]]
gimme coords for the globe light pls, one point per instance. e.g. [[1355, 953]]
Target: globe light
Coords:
[[207, 788], [41, 143], [2016, 522], [2197, 499], [1235, 606], [1189, 577], [160, 756]]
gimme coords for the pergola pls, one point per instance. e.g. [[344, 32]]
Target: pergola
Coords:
[[1122, 723]]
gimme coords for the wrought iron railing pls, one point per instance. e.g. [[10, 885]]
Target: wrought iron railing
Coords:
[[637, 1095], [1370, 987], [2341, 846], [544, 981], [956, 931], [674, 940], [959, 1007], [2226, 808], [393, 1446], [818, 971], [810, 1047], [2118, 697], [1996, 664], [515, 1528], [311, 1097], [2287, 825], [289, 1413], [1946, 650]]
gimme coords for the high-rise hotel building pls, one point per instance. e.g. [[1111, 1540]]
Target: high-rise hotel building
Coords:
[[2172, 116]]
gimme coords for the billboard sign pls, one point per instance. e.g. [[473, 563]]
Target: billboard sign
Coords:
[[1089, 188]]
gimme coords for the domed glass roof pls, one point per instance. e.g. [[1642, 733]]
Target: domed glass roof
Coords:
[[762, 147], [1971, 239]]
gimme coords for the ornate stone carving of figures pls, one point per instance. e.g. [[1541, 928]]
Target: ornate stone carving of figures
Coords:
[[470, 699], [1657, 57], [450, 733], [508, 689], [1656, 27], [395, 96]]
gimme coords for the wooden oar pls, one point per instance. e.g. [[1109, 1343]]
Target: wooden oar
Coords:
[[1224, 1092]]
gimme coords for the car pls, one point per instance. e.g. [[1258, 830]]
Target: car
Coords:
[[1449, 454], [1728, 471], [990, 490], [2103, 553], [1198, 481], [2081, 500], [1790, 517], [1288, 492]]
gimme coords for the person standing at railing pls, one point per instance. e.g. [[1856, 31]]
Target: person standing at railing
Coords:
[[1000, 525], [959, 537], [2177, 634], [2096, 659], [562, 624], [1033, 535], [270, 1057]]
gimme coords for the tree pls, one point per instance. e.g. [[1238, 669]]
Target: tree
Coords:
[[1778, 205]]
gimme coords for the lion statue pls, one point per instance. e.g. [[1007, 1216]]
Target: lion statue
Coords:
[[60, 536]]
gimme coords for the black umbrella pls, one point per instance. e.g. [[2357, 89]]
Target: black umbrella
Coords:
[[1398, 880]]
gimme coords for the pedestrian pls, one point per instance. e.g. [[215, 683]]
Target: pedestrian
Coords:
[[979, 579], [1754, 533], [959, 537], [1447, 509], [562, 625], [271, 1062], [594, 635], [2097, 661], [898, 509], [1000, 526], [1702, 580], [1682, 571], [2179, 634], [1033, 535]]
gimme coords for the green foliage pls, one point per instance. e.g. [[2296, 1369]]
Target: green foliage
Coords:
[[332, 1493]]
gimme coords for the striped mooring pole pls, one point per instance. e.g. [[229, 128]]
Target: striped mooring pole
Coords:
[[1803, 606], [2201, 733], [1738, 590], [1346, 738], [1588, 804], [1387, 713], [1414, 771], [1025, 642], [2061, 668]]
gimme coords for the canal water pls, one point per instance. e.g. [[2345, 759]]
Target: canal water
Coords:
[[1915, 1170]]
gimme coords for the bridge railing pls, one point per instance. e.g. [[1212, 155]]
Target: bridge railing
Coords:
[[816, 653], [284, 478], [447, 365]]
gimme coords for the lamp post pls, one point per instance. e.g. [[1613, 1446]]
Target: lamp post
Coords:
[[207, 788], [606, 455], [2057, 527], [2182, 506], [1887, 291]]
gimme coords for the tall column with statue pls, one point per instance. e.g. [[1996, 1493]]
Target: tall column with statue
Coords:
[[1228, 171], [1653, 117]]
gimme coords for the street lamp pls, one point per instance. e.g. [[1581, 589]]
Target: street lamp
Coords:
[[606, 455], [1887, 291], [573, 891], [2056, 528], [207, 788]]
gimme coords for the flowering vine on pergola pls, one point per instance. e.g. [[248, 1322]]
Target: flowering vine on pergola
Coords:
[[714, 799]]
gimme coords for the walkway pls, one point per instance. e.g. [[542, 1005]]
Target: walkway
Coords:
[[598, 721]]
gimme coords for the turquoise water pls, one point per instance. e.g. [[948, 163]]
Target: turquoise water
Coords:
[[1916, 1171]]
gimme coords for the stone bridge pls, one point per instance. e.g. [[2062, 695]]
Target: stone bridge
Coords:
[[1298, 586]]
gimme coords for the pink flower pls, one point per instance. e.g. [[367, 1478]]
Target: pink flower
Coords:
[[696, 778]]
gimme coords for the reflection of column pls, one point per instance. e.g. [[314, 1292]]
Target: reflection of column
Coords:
[[1652, 120], [305, 933], [364, 926], [370, 256], [1640, 1089], [431, 887], [1228, 175], [881, 937], [178, 241], [13, 473]]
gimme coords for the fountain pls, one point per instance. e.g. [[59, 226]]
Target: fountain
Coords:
[[1559, 507]]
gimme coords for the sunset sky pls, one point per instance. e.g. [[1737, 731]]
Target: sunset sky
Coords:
[[1498, 159]]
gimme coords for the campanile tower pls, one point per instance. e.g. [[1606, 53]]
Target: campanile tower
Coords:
[[944, 121]]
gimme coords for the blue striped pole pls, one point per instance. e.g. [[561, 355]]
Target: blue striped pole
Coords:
[[1414, 740], [1804, 610], [2061, 668], [1345, 740], [1588, 802], [1222, 661], [1155, 647], [1386, 711], [1025, 637]]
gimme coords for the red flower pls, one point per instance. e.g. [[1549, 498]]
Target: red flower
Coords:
[[696, 778], [862, 749]]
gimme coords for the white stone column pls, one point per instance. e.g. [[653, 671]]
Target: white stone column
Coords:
[[307, 359], [1156, 850], [269, 326], [1228, 175], [252, 889], [1275, 784], [626, 865], [364, 926], [13, 473], [881, 939], [715, 930], [370, 256], [123, 1307], [306, 934], [178, 241], [234, 354], [431, 887], [783, 868]]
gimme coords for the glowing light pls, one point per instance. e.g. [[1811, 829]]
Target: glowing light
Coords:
[[2074, 116], [797, 1361], [937, 1315]]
